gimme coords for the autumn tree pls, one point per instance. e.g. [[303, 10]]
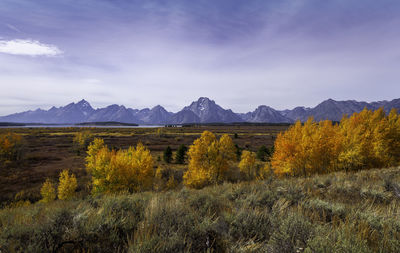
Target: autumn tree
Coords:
[[391, 136], [67, 185], [93, 150], [81, 141], [209, 160], [289, 157], [11, 147], [368, 139], [226, 155], [247, 164], [123, 170], [48, 191]]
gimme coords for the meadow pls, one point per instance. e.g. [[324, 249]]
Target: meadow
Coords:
[[123, 196], [48, 151]]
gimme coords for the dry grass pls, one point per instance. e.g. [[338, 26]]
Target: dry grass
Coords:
[[339, 212]]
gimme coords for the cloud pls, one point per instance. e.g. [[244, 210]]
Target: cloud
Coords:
[[28, 47]]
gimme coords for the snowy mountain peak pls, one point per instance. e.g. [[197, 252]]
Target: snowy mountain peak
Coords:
[[203, 110], [84, 104]]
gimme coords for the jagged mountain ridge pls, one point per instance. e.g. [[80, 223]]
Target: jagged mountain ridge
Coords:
[[209, 112], [203, 110], [265, 113], [334, 110]]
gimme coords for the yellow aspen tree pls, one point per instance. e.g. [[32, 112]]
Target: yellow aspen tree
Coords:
[[67, 185], [247, 164], [81, 140], [325, 147], [392, 138], [291, 147], [286, 146], [351, 155], [99, 168], [140, 172], [198, 174], [93, 149], [304, 162], [209, 160], [10, 147], [48, 191], [381, 150], [123, 170], [368, 139], [226, 155]]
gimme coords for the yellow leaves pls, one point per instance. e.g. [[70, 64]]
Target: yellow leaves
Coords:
[[66, 188], [48, 191], [93, 157], [10, 147], [247, 164], [81, 138], [67, 185], [364, 140], [209, 160], [265, 172], [122, 170]]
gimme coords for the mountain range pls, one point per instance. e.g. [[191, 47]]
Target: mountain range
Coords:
[[204, 110]]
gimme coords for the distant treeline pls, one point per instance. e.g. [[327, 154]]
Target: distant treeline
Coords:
[[236, 124], [11, 124]]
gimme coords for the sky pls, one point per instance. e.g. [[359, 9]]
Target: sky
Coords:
[[240, 53]]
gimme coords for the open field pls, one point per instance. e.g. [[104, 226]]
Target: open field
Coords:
[[353, 211], [47, 151], [338, 212]]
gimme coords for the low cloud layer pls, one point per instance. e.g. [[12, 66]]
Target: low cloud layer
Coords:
[[28, 47]]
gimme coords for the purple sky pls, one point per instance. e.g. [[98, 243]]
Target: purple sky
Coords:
[[239, 53]]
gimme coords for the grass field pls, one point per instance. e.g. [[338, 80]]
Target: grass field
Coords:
[[339, 212], [47, 151]]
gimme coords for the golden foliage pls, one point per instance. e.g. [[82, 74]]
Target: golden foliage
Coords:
[[265, 172], [48, 191], [209, 160], [122, 170], [67, 185], [365, 140], [247, 164], [10, 147], [92, 152], [81, 139]]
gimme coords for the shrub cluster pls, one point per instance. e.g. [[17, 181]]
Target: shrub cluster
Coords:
[[340, 212], [66, 188], [116, 171]]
